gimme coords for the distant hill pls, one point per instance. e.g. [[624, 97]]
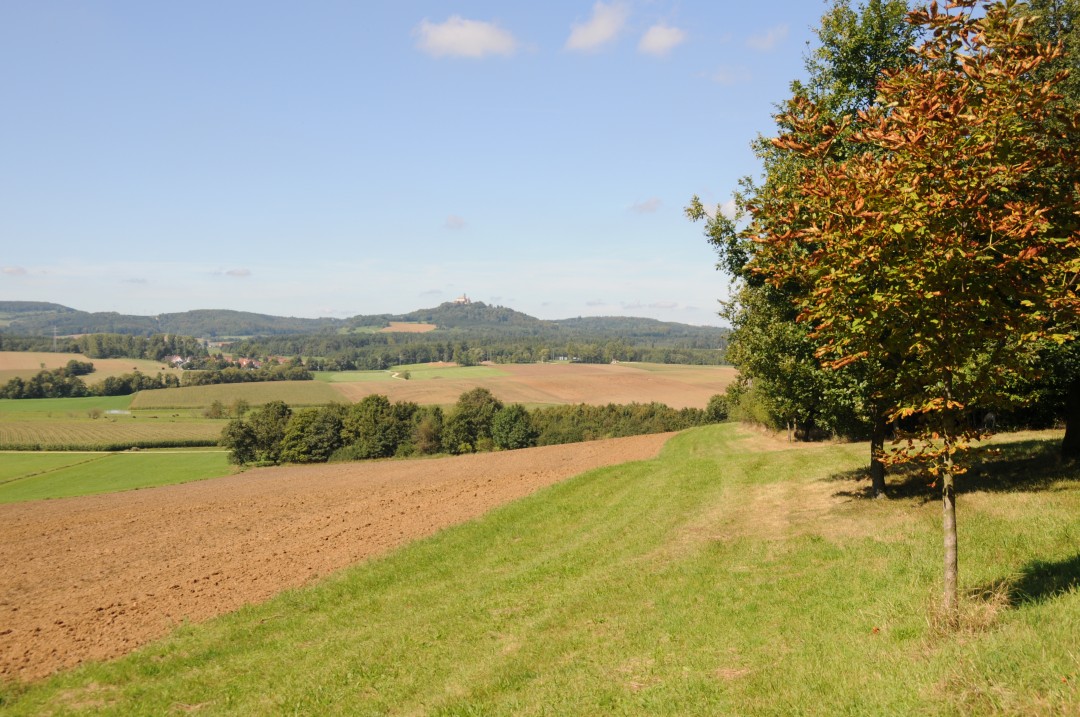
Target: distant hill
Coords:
[[33, 318]]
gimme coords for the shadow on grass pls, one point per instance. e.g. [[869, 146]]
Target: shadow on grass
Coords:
[[1037, 582], [1030, 465]]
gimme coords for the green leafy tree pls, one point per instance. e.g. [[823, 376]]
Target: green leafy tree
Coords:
[[512, 428], [312, 435], [937, 247], [371, 428], [468, 427], [782, 381]]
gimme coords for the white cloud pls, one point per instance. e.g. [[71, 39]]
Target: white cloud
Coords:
[[649, 206], [728, 75], [238, 273], [454, 222], [596, 303], [458, 37], [664, 305], [727, 209], [660, 39], [765, 41], [14, 271], [607, 21]]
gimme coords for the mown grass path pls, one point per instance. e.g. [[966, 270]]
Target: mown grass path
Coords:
[[725, 577]]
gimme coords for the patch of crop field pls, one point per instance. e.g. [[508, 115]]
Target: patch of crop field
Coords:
[[109, 432], [36, 476], [294, 393], [61, 407], [417, 372], [714, 580], [549, 384], [404, 327], [24, 364]]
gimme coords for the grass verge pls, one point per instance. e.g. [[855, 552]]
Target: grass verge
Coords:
[[713, 580]]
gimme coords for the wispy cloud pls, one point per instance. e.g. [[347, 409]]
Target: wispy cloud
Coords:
[[14, 271], [766, 41], [607, 21], [664, 305], [454, 223], [731, 75], [595, 303], [649, 206], [136, 280], [458, 37], [661, 39], [238, 273]]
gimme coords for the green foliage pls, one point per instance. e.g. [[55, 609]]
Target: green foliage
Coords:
[[257, 438], [469, 425], [312, 435], [512, 428], [718, 410], [374, 428]]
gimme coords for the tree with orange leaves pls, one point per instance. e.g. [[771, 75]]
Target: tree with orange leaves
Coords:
[[938, 248]]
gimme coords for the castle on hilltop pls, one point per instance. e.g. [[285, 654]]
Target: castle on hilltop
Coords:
[[463, 299]]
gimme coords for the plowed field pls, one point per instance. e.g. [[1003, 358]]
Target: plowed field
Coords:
[[553, 383], [95, 577]]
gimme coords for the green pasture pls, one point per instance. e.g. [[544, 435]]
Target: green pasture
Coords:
[[99, 423], [417, 372], [719, 579], [34, 476], [61, 406], [294, 393]]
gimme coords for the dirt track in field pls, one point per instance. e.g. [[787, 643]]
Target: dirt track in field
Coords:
[[96, 577]]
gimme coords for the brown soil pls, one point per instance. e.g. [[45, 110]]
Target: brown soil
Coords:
[[95, 577], [553, 383], [401, 327]]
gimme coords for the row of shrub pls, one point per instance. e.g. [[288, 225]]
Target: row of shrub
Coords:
[[377, 428], [62, 383], [282, 372]]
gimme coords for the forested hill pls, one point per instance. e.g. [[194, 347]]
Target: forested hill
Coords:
[[476, 320], [34, 318]]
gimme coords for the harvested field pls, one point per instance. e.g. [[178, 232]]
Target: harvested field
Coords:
[[403, 327], [553, 383], [95, 577]]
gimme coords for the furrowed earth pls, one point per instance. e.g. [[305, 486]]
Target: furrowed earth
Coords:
[[96, 577]]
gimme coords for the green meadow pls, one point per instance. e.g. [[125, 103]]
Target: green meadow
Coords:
[[718, 579], [294, 393], [36, 476]]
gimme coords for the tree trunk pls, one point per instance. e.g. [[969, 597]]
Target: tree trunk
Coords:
[[948, 504], [1070, 444], [877, 448]]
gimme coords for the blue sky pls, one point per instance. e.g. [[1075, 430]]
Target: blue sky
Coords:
[[340, 158]]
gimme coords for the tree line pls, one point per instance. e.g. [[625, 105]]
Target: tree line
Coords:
[[375, 427], [65, 383]]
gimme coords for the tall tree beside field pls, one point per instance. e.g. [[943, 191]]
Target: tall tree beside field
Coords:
[[937, 246], [776, 355]]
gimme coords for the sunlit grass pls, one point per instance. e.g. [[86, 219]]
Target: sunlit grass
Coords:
[[713, 580]]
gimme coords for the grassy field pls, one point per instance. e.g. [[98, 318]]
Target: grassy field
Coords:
[[99, 423], [34, 476], [294, 393], [725, 577]]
